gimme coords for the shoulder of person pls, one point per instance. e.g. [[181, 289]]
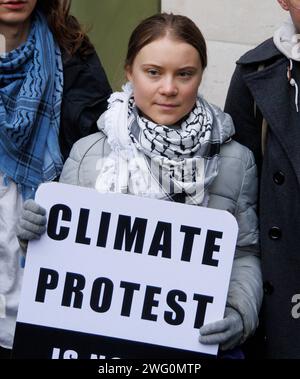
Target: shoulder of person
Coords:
[[266, 51], [82, 165], [78, 59], [235, 186], [233, 150], [86, 70], [91, 145]]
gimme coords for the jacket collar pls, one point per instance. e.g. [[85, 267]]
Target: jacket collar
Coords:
[[264, 52]]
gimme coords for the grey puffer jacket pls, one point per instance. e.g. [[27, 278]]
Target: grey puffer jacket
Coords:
[[234, 190]]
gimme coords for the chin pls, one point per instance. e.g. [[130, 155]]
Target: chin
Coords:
[[14, 19], [163, 119], [167, 121]]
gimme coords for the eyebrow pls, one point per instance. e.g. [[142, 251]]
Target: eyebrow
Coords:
[[188, 68], [180, 69], [151, 64]]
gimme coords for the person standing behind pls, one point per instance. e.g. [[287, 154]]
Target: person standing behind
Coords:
[[263, 100], [52, 90]]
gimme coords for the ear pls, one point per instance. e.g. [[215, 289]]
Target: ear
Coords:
[[128, 73], [284, 4]]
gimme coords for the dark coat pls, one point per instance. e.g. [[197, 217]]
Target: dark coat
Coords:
[[279, 207], [85, 94]]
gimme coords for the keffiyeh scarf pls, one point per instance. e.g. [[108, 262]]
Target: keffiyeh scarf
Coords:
[[31, 85], [158, 161]]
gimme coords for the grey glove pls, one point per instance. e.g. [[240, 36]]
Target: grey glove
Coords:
[[227, 332], [32, 222]]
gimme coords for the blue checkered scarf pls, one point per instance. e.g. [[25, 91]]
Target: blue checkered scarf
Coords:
[[31, 86]]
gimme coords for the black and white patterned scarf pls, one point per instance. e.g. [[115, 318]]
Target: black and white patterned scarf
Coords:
[[157, 161]]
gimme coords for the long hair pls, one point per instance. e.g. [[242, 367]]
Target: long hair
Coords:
[[157, 26], [66, 29]]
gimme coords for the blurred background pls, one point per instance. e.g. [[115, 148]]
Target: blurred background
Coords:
[[230, 27]]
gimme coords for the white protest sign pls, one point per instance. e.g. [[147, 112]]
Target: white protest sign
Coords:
[[136, 273]]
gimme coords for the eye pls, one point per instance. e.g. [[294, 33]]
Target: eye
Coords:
[[185, 74], [152, 72]]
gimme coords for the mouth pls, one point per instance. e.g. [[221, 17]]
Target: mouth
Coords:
[[167, 106], [13, 4]]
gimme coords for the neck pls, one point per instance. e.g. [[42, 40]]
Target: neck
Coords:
[[14, 35]]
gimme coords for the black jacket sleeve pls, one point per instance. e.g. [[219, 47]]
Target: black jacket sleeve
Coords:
[[86, 90]]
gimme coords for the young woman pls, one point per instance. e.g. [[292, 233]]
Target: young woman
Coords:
[[52, 91], [158, 127]]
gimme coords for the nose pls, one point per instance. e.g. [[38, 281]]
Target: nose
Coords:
[[168, 87]]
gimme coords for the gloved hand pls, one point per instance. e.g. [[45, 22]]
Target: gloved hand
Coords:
[[227, 332], [32, 222]]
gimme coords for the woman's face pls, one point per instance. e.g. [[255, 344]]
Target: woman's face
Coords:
[[16, 12], [166, 75]]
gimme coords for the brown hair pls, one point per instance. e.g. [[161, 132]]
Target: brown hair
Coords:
[[157, 26], [66, 29]]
